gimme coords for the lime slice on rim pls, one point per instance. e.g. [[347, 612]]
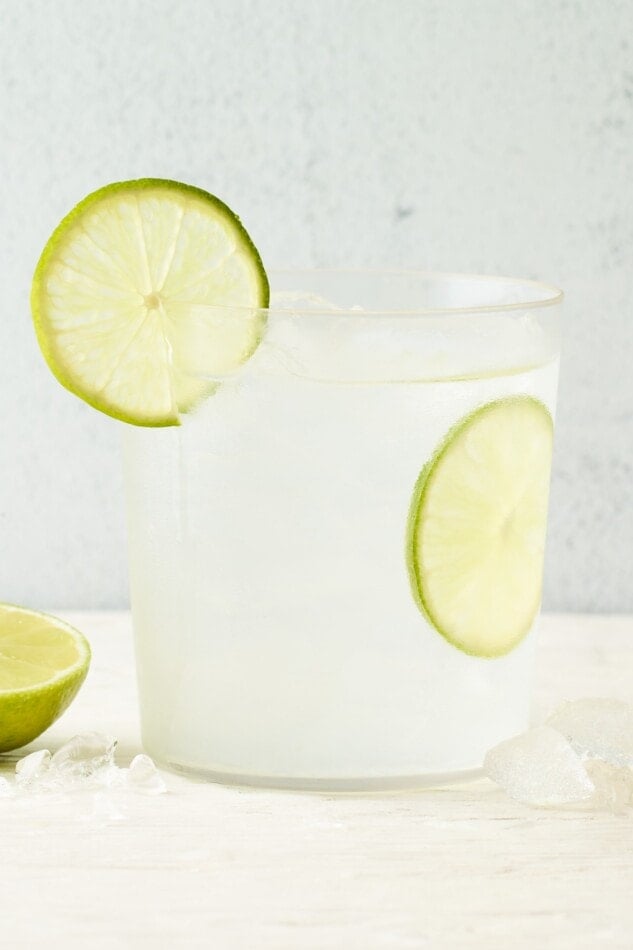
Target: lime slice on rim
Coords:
[[43, 662], [146, 293], [476, 529]]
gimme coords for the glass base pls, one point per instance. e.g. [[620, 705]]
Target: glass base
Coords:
[[355, 785]]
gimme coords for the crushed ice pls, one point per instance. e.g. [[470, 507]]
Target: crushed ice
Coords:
[[143, 776], [582, 755], [85, 754], [597, 728], [32, 767], [85, 762], [539, 768], [304, 300]]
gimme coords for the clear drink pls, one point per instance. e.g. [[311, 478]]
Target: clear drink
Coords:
[[279, 640]]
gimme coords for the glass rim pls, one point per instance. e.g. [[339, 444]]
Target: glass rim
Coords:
[[548, 294]]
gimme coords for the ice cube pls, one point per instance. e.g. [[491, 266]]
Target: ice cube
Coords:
[[539, 768], [301, 300], [85, 754], [85, 764], [33, 767], [143, 776], [6, 789], [613, 783], [597, 729]]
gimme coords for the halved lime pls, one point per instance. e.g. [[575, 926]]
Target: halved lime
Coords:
[[476, 529], [145, 293], [43, 662]]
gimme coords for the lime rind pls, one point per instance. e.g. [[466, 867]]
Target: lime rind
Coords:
[[187, 392], [415, 567]]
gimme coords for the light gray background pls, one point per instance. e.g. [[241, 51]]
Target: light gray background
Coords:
[[490, 136]]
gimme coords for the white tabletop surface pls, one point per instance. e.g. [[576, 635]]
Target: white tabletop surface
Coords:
[[213, 867]]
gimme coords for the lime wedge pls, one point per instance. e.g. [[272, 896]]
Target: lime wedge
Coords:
[[476, 529], [43, 662], [145, 293]]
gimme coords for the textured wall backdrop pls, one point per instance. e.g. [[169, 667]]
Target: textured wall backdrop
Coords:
[[442, 134]]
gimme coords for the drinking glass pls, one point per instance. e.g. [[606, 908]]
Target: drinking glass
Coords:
[[300, 546]]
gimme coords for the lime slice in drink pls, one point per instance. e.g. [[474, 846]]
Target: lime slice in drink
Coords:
[[476, 530], [43, 662], [145, 293]]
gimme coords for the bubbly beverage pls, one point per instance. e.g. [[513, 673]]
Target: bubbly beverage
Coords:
[[335, 570]]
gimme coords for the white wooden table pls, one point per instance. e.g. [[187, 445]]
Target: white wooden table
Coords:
[[206, 866]]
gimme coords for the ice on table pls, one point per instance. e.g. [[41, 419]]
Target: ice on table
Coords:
[[539, 768], [85, 762], [613, 783], [584, 753], [597, 728], [143, 776], [85, 754], [32, 767], [6, 789]]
